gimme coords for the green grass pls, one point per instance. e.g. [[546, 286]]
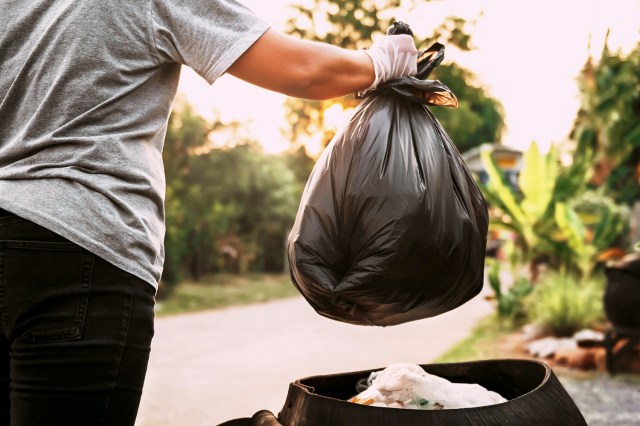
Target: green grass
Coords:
[[224, 290], [563, 304], [481, 343]]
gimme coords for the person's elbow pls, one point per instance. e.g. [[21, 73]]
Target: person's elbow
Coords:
[[320, 80], [307, 80]]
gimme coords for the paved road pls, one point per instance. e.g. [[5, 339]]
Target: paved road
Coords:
[[214, 366]]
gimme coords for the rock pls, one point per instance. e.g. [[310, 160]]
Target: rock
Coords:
[[579, 358], [600, 359], [589, 338], [545, 348]]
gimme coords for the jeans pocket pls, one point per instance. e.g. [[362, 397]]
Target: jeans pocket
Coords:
[[44, 290]]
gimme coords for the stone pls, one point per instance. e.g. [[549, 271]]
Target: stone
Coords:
[[588, 337], [547, 347], [578, 358]]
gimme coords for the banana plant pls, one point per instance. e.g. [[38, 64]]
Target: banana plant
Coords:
[[522, 213], [572, 232], [552, 214]]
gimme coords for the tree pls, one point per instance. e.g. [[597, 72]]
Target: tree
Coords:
[[245, 201], [478, 118], [608, 123], [301, 165], [352, 24], [186, 131], [226, 209]]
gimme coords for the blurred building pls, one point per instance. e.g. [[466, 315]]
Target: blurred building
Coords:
[[509, 160]]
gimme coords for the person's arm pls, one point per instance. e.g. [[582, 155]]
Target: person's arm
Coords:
[[313, 70]]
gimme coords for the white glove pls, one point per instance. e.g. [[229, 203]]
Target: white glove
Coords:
[[393, 56]]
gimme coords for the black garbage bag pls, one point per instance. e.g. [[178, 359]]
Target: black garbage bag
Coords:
[[391, 226]]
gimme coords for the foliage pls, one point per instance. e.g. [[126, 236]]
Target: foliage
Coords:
[[226, 209], [352, 24], [186, 131], [553, 217], [587, 225], [574, 179], [300, 164], [224, 290], [564, 304], [608, 122], [478, 118], [523, 211], [510, 302]]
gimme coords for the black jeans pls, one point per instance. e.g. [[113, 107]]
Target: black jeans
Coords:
[[76, 332]]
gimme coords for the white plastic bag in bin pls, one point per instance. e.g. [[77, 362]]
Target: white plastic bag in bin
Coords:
[[409, 386]]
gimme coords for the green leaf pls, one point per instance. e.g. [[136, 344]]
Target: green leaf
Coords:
[[500, 189], [603, 235], [494, 279], [571, 227], [537, 180], [633, 137]]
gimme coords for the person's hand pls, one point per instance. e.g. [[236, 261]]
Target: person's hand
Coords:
[[393, 56]]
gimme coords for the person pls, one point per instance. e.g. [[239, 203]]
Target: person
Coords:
[[86, 89]]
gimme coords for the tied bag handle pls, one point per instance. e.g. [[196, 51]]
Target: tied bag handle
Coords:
[[418, 89], [429, 59]]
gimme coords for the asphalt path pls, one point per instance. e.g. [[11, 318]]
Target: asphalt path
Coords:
[[209, 367]]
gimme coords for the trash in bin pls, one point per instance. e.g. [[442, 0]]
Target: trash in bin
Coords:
[[409, 386]]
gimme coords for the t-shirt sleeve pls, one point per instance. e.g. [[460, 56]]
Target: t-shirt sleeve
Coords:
[[206, 35]]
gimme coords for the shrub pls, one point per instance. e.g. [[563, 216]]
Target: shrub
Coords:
[[509, 301], [563, 304]]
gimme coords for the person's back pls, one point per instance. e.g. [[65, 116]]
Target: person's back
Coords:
[[86, 90]]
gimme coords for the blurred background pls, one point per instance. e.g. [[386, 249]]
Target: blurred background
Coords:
[[548, 122], [556, 80]]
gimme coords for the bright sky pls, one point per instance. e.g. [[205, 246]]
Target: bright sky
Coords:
[[528, 56]]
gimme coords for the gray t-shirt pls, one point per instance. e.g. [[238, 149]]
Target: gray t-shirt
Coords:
[[86, 89]]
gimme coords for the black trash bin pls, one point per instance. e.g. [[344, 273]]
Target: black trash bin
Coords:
[[535, 397], [622, 294], [622, 306]]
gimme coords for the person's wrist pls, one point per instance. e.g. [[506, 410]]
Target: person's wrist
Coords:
[[371, 70]]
